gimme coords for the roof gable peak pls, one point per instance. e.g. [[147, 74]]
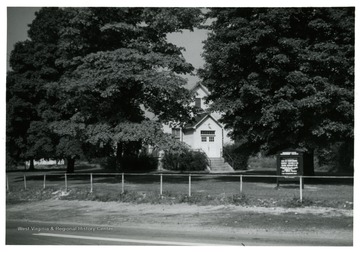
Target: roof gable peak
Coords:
[[199, 119], [199, 86]]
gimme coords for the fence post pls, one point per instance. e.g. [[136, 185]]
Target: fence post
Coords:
[[122, 183], [301, 184], [241, 184], [161, 184], [66, 186], [44, 185], [91, 183], [24, 181], [189, 185], [7, 184]]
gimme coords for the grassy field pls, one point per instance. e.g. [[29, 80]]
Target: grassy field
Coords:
[[205, 189]]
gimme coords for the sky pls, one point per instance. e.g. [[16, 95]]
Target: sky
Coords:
[[18, 19]]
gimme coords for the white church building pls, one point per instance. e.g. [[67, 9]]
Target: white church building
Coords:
[[205, 133]]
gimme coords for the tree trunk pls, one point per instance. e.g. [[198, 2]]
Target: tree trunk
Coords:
[[31, 167], [119, 151], [345, 157], [308, 159], [70, 165]]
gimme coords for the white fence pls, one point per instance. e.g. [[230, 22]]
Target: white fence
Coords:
[[90, 176]]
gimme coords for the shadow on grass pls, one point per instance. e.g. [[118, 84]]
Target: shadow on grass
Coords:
[[181, 178], [80, 168], [272, 180]]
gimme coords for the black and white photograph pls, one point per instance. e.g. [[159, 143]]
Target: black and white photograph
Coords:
[[179, 125]]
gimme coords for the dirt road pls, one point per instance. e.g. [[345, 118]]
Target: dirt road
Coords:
[[272, 226]]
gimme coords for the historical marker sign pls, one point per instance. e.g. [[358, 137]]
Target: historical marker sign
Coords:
[[289, 164]]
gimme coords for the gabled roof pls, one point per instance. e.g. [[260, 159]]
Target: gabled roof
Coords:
[[200, 86], [199, 119]]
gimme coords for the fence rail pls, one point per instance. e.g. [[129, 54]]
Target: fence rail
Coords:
[[161, 175]]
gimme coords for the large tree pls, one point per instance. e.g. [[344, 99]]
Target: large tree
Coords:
[[118, 63], [33, 65], [114, 63], [283, 77]]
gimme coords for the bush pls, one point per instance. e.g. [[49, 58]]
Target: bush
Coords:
[[140, 163], [188, 161], [107, 163], [237, 158], [262, 162], [337, 157], [11, 163]]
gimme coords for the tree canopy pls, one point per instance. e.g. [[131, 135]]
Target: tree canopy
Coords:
[[94, 71], [33, 66], [283, 77]]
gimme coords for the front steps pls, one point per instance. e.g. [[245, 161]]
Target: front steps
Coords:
[[218, 165]]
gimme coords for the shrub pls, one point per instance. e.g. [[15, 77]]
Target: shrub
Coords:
[[135, 163], [237, 158], [336, 157], [107, 163], [188, 161], [141, 163], [262, 162]]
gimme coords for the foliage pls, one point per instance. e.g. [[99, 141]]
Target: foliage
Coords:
[[284, 77], [336, 157], [141, 163], [28, 107], [108, 80], [135, 163], [187, 161], [86, 76], [261, 162], [236, 157], [40, 141]]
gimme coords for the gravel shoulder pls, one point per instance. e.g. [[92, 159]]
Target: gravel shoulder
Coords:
[[314, 222]]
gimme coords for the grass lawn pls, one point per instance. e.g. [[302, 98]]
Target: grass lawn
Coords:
[[205, 189]]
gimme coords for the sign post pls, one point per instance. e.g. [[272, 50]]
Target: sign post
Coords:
[[189, 185], [161, 184], [241, 184], [290, 165], [24, 181], [122, 183], [301, 187], [7, 184], [91, 183]]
